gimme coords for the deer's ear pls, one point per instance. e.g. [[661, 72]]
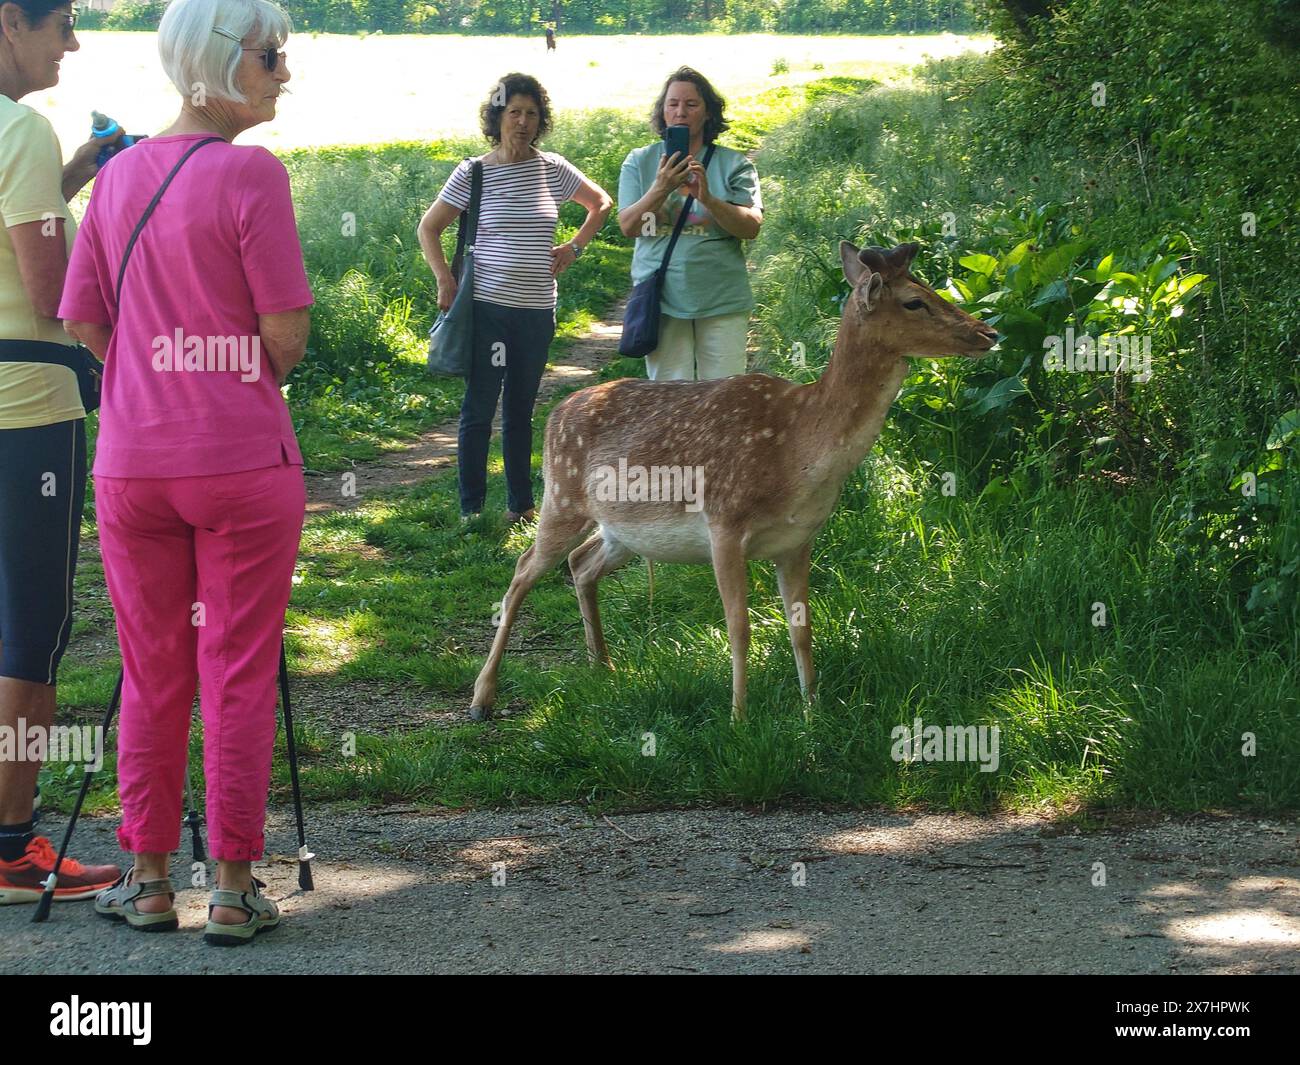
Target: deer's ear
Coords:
[[869, 294], [866, 281], [853, 266]]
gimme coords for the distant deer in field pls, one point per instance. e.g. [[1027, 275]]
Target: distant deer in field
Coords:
[[759, 462]]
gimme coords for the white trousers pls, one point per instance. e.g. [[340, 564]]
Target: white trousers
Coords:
[[702, 349]]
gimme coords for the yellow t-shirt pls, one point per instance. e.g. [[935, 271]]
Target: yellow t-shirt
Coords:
[[31, 190]]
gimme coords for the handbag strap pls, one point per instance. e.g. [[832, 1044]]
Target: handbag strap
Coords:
[[135, 235], [681, 221], [467, 230]]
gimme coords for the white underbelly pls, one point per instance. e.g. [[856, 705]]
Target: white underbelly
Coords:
[[681, 537]]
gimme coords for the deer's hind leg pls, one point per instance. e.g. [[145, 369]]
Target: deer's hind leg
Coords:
[[588, 563], [557, 532]]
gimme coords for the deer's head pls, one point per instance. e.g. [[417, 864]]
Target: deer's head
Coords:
[[903, 315]]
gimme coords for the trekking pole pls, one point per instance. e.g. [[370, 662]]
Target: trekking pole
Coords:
[[51, 882], [192, 818], [304, 855]]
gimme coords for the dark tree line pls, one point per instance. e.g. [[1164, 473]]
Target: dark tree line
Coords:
[[595, 16]]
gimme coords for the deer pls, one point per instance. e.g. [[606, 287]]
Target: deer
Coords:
[[769, 458]]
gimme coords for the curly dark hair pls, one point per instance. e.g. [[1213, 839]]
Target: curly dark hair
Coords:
[[713, 104], [495, 105]]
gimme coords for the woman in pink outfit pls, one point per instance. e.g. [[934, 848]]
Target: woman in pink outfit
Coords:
[[198, 478]]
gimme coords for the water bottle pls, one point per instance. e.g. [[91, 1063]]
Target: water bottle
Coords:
[[101, 126]]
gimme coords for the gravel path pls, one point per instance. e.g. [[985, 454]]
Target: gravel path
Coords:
[[713, 891]]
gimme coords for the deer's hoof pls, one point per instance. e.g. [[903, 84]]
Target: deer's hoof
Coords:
[[480, 713]]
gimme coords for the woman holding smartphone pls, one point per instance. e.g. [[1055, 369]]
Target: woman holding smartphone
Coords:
[[704, 316]]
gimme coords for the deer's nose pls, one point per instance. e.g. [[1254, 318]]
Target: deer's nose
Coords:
[[986, 334]]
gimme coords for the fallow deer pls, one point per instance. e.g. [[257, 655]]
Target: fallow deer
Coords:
[[774, 455]]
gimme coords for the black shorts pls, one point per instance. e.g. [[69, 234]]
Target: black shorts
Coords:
[[42, 492]]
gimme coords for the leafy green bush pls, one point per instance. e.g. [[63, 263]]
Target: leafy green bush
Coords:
[[1042, 212], [132, 15], [1195, 127]]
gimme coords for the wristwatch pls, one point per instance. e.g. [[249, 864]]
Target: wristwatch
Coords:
[[577, 249]]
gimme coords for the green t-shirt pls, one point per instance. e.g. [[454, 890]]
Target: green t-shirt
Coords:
[[707, 274]]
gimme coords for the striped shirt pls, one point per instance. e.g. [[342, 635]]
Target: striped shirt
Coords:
[[516, 226]]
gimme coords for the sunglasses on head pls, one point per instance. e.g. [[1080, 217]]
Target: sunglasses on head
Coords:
[[272, 57]]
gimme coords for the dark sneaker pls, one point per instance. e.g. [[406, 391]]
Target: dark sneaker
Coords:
[[24, 880]]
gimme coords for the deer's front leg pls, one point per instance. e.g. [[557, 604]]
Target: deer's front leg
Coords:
[[792, 579], [733, 585], [555, 536]]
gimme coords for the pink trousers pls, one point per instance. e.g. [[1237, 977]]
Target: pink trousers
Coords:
[[199, 570]]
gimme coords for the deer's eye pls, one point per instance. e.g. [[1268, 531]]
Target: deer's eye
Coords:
[[914, 305]]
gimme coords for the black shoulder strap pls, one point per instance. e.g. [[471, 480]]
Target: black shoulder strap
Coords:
[[135, 236], [467, 230], [475, 199], [681, 221]]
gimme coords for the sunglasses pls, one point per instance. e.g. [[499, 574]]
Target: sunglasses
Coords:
[[70, 24], [272, 57]]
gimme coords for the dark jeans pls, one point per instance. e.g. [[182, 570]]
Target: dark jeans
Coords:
[[510, 346]]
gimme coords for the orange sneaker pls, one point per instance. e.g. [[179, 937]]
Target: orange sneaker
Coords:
[[24, 880]]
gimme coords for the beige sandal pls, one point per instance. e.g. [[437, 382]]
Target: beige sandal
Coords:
[[263, 916], [118, 903]]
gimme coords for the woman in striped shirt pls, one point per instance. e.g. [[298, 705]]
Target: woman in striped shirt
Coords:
[[516, 262]]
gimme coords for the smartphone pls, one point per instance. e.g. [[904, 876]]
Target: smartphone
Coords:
[[677, 139]]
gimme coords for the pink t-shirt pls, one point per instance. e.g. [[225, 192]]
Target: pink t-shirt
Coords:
[[188, 389]]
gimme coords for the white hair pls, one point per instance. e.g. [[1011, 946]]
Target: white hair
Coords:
[[198, 58]]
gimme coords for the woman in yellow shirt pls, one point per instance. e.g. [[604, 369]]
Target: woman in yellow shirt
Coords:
[[42, 433]]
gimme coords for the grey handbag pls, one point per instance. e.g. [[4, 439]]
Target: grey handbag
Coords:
[[451, 340]]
